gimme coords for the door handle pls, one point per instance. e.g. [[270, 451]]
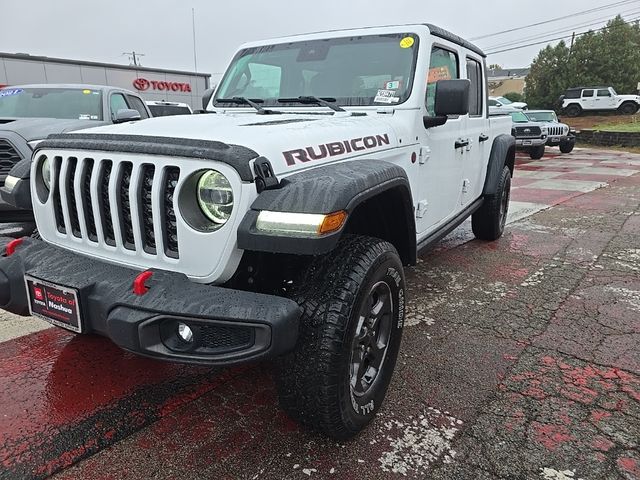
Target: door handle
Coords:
[[460, 143], [483, 138]]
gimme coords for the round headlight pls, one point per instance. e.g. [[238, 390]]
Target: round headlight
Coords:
[[45, 171], [215, 197]]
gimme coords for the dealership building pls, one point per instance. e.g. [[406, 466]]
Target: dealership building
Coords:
[[150, 83]]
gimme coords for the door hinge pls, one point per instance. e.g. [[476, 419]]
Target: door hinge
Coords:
[[465, 185], [421, 210]]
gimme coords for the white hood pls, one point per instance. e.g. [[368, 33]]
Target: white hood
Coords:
[[289, 141]]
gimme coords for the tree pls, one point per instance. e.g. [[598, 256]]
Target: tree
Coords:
[[495, 66], [608, 57], [514, 96]]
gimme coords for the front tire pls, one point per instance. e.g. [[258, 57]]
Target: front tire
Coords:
[[566, 146], [489, 220], [628, 108], [536, 153], [353, 302]]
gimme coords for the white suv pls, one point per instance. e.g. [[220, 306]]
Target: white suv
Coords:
[[576, 100]]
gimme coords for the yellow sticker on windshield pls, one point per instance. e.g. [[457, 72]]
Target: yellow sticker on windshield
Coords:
[[86, 92], [407, 42]]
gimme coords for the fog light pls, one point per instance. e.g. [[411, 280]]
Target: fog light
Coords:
[[185, 333]]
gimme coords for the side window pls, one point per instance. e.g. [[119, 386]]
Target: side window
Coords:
[[474, 74], [117, 102], [587, 93], [604, 93], [493, 103], [443, 66], [137, 104]]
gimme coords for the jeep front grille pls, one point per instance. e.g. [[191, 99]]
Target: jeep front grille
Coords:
[[527, 132], [8, 158], [116, 203], [556, 131]]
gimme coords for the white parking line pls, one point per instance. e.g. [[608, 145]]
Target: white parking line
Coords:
[[13, 326]]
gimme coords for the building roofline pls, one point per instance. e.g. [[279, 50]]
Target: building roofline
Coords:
[[37, 58]]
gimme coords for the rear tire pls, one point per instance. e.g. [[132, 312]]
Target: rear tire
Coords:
[[536, 153], [489, 220], [350, 331], [566, 146], [628, 108], [573, 110]]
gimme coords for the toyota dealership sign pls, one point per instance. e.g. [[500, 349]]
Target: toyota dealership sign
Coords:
[[142, 84]]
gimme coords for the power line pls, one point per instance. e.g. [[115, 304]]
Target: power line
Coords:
[[554, 39], [562, 30], [584, 12]]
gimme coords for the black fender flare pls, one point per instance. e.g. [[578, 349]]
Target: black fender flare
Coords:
[[323, 190], [503, 152], [20, 195]]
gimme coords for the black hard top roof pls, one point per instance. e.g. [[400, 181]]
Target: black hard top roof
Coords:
[[589, 88], [447, 35]]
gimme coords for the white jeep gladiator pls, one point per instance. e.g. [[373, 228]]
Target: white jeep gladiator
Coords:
[[279, 224]]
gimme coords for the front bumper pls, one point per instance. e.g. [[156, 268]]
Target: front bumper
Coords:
[[530, 142], [229, 326], [556, 140]]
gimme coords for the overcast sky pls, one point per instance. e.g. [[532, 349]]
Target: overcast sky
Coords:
[[162, 29]]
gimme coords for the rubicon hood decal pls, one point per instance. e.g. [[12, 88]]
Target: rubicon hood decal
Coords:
[[335, 149]]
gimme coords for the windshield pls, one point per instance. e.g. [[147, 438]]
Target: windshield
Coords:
[[166, 110], [369, 70], [542, 116], [66, 103], [519, 117], [504, 101]]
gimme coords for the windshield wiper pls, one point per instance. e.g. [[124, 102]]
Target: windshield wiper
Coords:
[[247, 101], [325, 102]]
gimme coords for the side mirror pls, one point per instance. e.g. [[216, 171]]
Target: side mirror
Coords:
[[452, 98], [206, 98], [126, 115]]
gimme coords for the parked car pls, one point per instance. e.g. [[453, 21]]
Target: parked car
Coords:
[[594, 99], [164, 109], [30, 113], [278, 227], [558, 134], [505, 102], [531, 137], [504, 110]]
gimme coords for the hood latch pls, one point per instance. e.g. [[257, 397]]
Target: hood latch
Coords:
[[265, 178]]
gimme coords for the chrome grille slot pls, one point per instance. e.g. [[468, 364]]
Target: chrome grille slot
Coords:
[[104, 202], [146, 209], [57, 200], [170, 230], [87, 200], [124, 206], [71, 196], [9, 156]]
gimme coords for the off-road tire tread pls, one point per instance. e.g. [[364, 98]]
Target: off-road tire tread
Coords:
[[307, 378], [484, 221]]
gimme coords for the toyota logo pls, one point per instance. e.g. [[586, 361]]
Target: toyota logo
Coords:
[[527, 130], [141, 84]]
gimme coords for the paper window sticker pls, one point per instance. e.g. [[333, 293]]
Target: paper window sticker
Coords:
[[407, 42], [438, 73]]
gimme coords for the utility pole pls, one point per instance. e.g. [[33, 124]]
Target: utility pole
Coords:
[[573, 39], [193, 26], [133, 57]]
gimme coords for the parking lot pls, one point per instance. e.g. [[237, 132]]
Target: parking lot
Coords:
[[519, 361]]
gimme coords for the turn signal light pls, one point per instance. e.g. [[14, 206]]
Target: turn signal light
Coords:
[[332, 222], [13, 245]]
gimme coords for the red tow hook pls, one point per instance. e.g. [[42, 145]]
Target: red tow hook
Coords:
[[139, 284], [12, 246]]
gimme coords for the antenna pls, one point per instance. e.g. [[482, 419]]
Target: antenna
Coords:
[[193, 26]]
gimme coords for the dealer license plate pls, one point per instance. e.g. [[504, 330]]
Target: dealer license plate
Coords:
[[53, 303], [527, 142]]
